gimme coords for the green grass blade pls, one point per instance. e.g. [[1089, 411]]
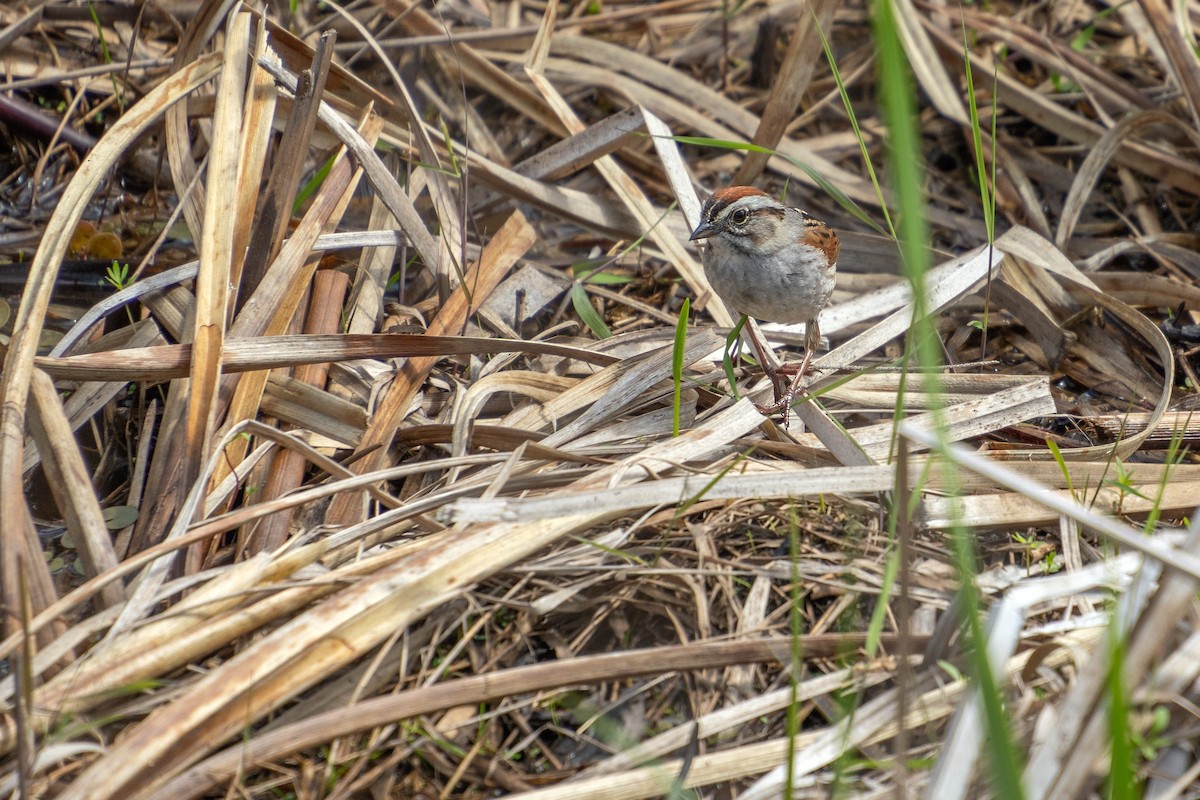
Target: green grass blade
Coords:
[[858, 134], [677, 361], [592, 271], [587, 312], [986, 195], [837, 194], [685, 503], [311, 185], [897, 93], [727, 361], [795, 639], [879, 615], [108, 59], [1121, 776], [1062, 464]]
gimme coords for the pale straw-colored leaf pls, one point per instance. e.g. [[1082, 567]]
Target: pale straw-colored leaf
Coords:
[[340, 630], [1098, 157], [18, 363], [509, 244], [216, 251], [72, 485]]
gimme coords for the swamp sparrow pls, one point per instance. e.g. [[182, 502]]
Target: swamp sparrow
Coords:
[[772, 262]]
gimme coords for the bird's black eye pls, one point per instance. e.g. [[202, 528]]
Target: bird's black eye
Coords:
[[739, 216]]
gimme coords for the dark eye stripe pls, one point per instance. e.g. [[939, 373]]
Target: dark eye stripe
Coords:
[[716, 207], [713, 208]]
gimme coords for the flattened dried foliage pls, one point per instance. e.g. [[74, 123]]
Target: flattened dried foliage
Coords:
[[364, 482]]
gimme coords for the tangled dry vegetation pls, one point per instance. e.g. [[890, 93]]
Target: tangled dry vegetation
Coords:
[[355, 495]]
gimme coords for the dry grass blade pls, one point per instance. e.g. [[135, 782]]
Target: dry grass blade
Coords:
[[1121, 533], [613, 390], [198, 625], [179, 155], [72, 485], [1169, 168], [566, 157], [1003, 510], [614, 502], [15, 29], [803, 54], [445, 202], [118, 300], [1149, 625], [669, 92], [261, 235], [287, 469], [1181, 54], [730, 718], [476, 69], [927, 66], [242, 355], [376, 173], [463, 506], [624, 187], [216, 252], [967, 419], [811, 751], [953, 773], [91, 396], [277, 296], [344, 627], [481, 689], [18, 362], [946, 283], [509, 244], [1091, 168]]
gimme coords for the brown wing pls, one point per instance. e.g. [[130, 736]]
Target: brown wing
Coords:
[[819, 235]]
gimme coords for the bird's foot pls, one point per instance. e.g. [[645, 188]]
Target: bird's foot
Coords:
[[785, 391], [794, 369]]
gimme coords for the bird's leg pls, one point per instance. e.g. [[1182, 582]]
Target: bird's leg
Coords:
[[783, 400], [812, 340], [762, 353]]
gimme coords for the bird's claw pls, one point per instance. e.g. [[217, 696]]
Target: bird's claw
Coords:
[[785, 391]]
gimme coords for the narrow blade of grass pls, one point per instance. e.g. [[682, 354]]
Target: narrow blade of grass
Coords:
[[587, 312], [677, 361]]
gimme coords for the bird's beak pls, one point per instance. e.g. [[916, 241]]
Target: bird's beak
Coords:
[[703, 231]]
